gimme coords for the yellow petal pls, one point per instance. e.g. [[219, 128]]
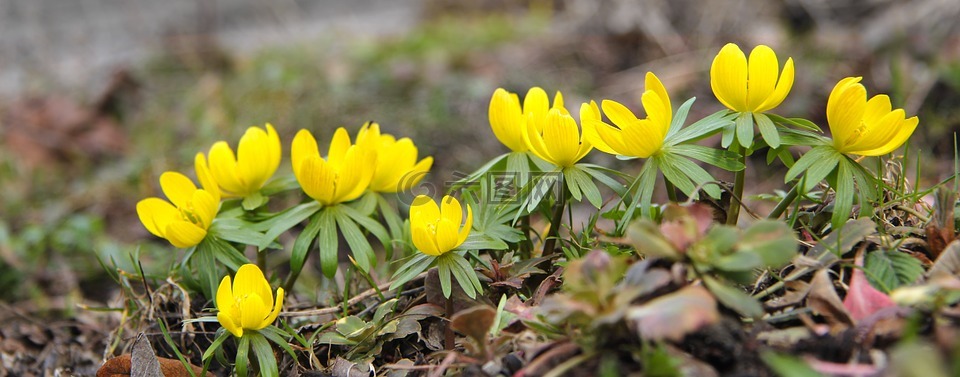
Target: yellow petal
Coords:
[[590, 121], [447, 235], [225, 301], [223, 166], [304, 146], [877, 107], [534, 140], [177, 187], [612, 136], [619, 114], [763, 69], [562, 138], [536, 102], [642, 140], [184, 234], [904, 130], [451, 210], [230, 324], [467, 227], [277, 306], [273, 150], [845, 108], [651, 82], [250, 279], [207, 181], [657, 113], [423, 211], [317, 179], [558, 104], [355, 175], [506, 119], [414, 176], [338, 147], [252, 311], [253, 160], [205, 207], [424, 240], [784, 84], [728, 77], [156, 214]]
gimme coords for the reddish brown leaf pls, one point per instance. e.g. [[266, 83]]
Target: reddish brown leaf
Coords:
[[120, 366], [862, 298]]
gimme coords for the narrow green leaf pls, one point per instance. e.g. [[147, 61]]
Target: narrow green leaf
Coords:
[[789, 136], [519, 163], [473, 177], [599, 173], [359, 246], [225, 252], [584, 184], [443, 270], [243, 359], [327, 242], [286, 220], [369, 225], [767, 130], [223, 335], [413, 267], [745, 129], [278, 337], [822, 156], [668, 166], [843, 200], [265, 356], [680, 117], [703, 128], [301, 246], [727, 135], [795, 122], [720, 158], [467, 276]]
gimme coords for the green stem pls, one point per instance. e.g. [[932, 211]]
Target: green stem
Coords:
[[671, 190], [554, 233], [449, 341], [784, 203], [525, 245], [733, 214]]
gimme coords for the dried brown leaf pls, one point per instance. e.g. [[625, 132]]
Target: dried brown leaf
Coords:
[[474, 322], [824, 300]]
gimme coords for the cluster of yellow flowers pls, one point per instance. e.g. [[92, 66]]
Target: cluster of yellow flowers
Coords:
[[756, 85], [348, 171]]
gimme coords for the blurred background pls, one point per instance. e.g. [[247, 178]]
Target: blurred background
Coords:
[[99, 97]]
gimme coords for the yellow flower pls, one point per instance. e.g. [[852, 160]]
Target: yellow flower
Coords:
[[862, 127], [632, 136], [556, 138], [183, 220], [508, 119], [248, 303], [399, 170], [752, 87], [243, 174], [343, 176], [436, 230]]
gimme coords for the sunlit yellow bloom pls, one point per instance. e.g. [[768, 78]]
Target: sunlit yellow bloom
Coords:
[[345, 173], [183, 220], [862, 127], [436, 229], [248, 303], [243, 174], [398, 169], [750, 87], [555, 138], [632, 136], [508, 119]]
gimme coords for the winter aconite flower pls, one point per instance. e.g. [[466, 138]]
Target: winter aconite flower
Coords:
[[508, 118], [398, 169], [243, 174], [186, 217], [248, 303], [865, 127], [437, 229], [755, 86], [343, 176], [632, 137], [555, 138]]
